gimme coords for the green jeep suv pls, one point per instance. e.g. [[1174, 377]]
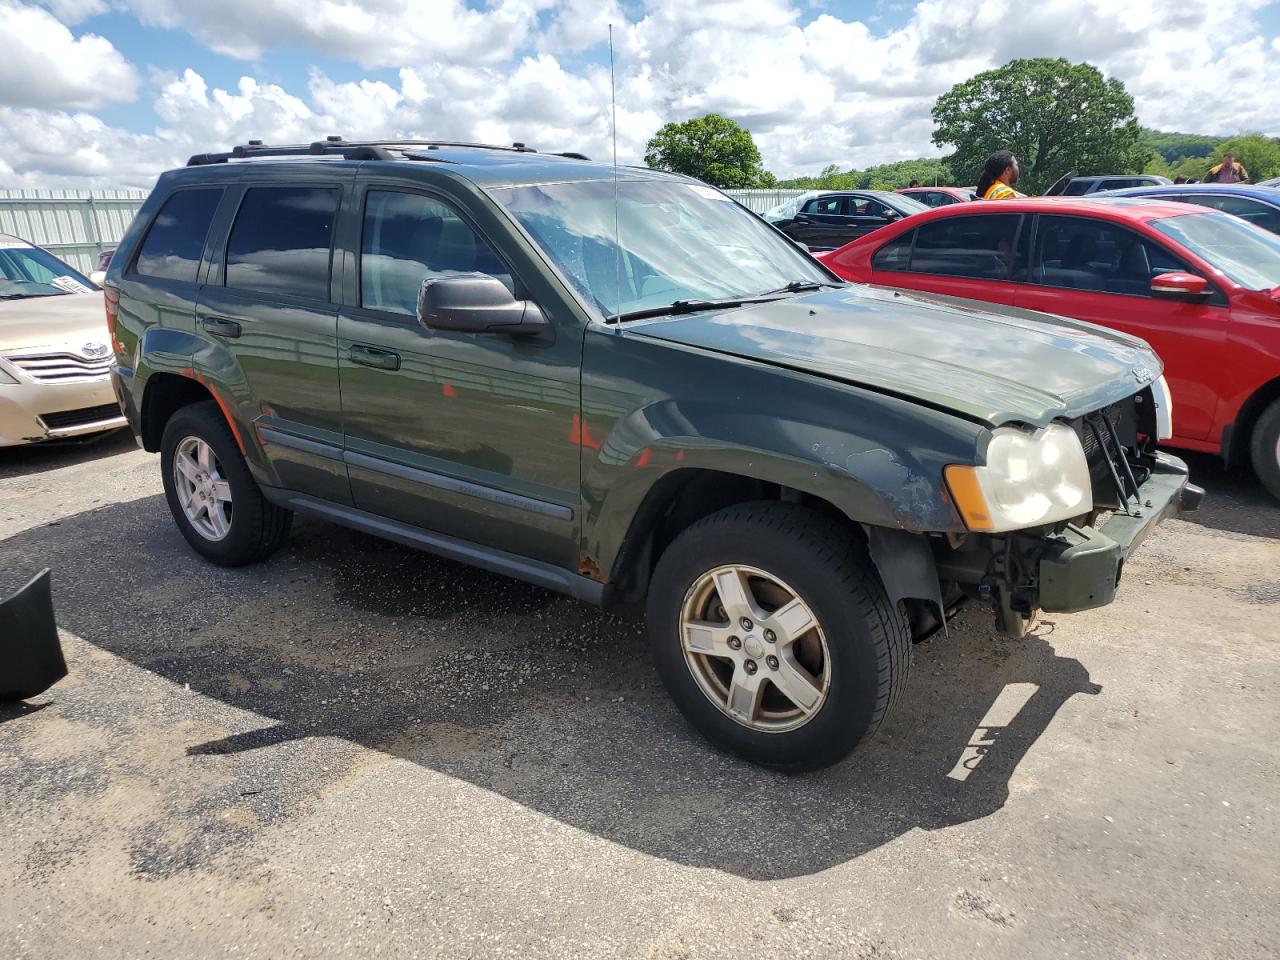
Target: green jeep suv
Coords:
[[620, 384]]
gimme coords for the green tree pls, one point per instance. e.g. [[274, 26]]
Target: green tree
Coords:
[[1174, 146], [713, 149], [1055, 116], [886, 176], [1260, 156]]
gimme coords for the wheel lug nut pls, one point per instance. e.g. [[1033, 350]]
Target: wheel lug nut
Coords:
[[747, 624], [750, 666], [772, 662], [770, 637], [735, 643]]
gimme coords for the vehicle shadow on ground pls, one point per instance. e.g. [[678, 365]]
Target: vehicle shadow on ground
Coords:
[[538, 698], [39, 457], [1234, 501]]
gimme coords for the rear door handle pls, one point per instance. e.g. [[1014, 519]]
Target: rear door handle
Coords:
[[373, 357], [220, 327]]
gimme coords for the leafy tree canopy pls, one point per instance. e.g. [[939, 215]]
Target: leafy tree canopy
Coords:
[[1055, 116], [713, 149]]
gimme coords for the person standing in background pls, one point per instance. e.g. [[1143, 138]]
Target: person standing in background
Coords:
[[998, 177], [1230, 170]]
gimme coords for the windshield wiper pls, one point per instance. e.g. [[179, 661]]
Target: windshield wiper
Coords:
[[685, 306], [696, 306], [802, 286]]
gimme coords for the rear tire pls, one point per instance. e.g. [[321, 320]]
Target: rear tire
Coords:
[[215, 501], [854, 655], [1264, 448]]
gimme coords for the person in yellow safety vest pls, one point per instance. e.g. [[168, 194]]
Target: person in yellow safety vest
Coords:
[[998, 177], [1230, 170]]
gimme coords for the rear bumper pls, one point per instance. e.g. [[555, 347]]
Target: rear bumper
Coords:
[[121, 384], [1080, 568], [72, 409]]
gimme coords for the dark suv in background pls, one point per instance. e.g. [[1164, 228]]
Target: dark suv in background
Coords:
[[620, 384]]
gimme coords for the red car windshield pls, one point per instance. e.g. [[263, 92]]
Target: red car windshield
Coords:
[[1247, 254]]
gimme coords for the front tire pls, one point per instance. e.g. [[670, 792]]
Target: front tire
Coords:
[[214, 500], [772, 631], [1264, 448]]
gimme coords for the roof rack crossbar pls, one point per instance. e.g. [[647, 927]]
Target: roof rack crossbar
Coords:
[[349, 151]]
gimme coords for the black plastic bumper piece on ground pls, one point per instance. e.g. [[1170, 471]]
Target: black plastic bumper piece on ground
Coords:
[[30, 655], [1082, 566]]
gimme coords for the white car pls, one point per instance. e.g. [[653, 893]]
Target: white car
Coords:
[[55, 351]]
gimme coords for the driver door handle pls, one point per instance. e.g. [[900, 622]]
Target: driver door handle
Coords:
[[373, 357]]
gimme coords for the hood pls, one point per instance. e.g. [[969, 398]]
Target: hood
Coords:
[[988, 363], [65, 320]]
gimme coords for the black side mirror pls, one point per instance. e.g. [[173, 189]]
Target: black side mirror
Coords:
[[476, 303]]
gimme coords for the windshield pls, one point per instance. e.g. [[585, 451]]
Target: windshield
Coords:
[[903, 204], [27, 271], [1247, 254], [679, 241]]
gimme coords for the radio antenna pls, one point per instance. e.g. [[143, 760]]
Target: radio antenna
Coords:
[[617, 230]]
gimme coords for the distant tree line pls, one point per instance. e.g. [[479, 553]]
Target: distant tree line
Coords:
[[1259, 154], [1057, 117]]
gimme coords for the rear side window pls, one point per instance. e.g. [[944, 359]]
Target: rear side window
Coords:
[[1077, 188], [895, 255], [175, 240], [409, 238], [978, 247], [281, 241]]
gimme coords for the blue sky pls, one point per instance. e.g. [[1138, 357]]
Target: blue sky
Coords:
[[128, 87]]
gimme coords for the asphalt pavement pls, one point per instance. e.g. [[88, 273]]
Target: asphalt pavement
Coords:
[[357, 750]]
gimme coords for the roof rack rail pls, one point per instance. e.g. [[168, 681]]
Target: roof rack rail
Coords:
[[335, 146], [330, 146]]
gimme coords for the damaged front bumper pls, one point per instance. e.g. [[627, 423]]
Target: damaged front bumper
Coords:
[[1080, 567], [1074, 567]]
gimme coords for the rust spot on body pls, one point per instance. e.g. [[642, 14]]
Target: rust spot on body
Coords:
[[226, 411], [588, 568]]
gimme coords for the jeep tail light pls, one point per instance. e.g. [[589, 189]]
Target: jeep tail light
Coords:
[[111, 300]]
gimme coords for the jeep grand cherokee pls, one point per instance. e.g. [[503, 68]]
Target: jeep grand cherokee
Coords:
[[620, 384]]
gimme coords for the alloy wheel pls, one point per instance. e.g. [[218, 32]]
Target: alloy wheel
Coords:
[[203, 491], [755, 648]]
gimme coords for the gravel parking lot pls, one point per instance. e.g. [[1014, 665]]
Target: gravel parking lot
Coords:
[[358, 750]]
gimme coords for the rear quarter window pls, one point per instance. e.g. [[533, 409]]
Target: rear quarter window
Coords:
[[175, 240]]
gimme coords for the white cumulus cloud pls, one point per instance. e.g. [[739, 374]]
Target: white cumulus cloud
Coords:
[[42, 63], [812, 87]]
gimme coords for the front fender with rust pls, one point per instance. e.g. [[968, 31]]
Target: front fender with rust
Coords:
[[651, 408]]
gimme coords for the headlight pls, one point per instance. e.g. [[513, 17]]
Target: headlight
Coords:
[[1031, 478], [6, 376]]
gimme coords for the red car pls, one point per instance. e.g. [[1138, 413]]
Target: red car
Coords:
[[1202, 287], [939, 196]]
